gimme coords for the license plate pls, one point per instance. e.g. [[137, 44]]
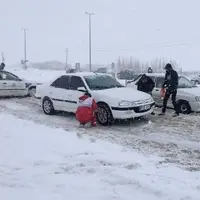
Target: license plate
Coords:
[[129, 112], [146, 107]]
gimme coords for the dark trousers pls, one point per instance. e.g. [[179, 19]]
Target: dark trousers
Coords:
[[173, 94]]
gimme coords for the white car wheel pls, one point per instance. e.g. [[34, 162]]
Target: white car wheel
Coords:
[[184, 107], [104, 115], [47, 106]]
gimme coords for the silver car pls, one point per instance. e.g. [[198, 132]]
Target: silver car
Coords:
[[188, 95], [196, 79]]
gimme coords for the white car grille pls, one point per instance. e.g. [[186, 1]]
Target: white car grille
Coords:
[[142, 102]]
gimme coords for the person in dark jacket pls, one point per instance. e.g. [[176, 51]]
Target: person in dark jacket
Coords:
[[150, 70], [171, 85], [146, 84], [2, 66]]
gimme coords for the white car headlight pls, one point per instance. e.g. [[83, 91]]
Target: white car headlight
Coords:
[[197, 98], [124, 103]]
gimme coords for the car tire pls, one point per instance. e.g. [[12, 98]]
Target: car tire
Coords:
[[32, 91], [104, 115], [47, 106], [197, 82], [184, 107]]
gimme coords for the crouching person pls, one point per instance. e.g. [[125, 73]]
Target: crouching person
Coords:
[[146, 84], [86, 111]]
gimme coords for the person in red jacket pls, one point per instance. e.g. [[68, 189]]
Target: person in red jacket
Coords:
[[86, 111]]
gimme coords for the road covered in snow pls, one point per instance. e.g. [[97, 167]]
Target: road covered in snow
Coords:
[[176, 140], [42, 162], [50, 157]]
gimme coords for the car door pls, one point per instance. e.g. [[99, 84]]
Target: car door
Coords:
[[156, 92], [59, 93], [3, 84], [16, 86], [75, 83], [6, 85]]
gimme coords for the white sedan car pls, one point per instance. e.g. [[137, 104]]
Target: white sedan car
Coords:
[[114, 100], [11, 85], [188, 95]]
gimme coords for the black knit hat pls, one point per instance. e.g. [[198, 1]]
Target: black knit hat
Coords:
[[168, 66]]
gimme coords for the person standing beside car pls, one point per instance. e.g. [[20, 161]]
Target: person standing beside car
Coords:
[[146, 84], [170, 85], [2, 66]]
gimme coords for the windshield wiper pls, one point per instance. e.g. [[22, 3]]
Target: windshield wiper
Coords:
[[99, 87], [115, 86]]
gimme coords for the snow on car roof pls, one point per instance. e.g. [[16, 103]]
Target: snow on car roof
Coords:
[[85, 74]]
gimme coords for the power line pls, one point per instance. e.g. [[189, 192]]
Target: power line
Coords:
[[151, 46]]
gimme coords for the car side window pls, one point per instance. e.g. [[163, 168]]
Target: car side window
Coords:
[[1, 76], [159, 82], [61, 82], [76, 82], [8, 76]]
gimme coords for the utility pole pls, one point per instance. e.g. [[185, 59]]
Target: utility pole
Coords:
[[2, 57], [90, 40], [25, 60], [66, 61]]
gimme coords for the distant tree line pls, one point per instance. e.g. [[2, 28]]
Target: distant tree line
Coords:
[[138, 66]]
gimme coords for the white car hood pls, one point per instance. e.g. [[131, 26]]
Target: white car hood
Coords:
[[124, 93], [191, 91]]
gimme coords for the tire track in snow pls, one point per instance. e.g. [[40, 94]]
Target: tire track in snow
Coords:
[[176, 140]]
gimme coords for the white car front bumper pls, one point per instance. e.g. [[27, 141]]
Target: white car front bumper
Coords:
[[127, 113]]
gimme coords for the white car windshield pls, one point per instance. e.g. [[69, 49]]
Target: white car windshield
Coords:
[[101, 82]]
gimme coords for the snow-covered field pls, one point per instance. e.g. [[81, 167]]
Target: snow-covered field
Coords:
[[39, 162], [49, 157], [37, 75]]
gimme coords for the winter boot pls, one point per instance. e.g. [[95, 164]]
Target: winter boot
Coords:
[[161, 114], [175, 115]]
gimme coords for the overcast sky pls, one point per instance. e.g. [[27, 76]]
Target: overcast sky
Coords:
[[119, 28]]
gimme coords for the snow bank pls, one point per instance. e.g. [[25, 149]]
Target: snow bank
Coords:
[[38, 162], [36, 75]]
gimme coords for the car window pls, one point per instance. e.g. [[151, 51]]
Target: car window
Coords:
[[8, 76], [184, 83], [76, 82], [159, 82], [61, 82], [101, 82]]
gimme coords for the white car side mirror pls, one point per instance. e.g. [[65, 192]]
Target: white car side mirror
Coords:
[[81, 89]]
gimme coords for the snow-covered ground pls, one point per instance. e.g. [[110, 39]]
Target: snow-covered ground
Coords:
[[50, 157], [39, 162]]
